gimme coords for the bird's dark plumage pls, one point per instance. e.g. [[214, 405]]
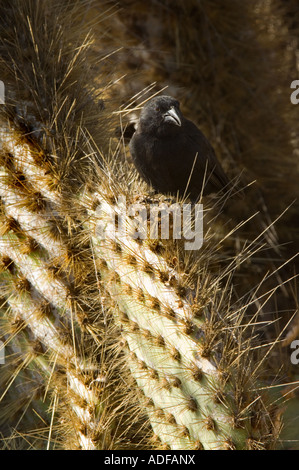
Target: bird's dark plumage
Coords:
[[172, 154]]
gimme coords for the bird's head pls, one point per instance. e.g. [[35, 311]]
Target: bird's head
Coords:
[[161, 115]]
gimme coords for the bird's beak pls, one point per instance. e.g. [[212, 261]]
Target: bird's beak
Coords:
[[173, 117]]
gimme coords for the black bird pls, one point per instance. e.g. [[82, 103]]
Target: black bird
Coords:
[[172, 154]]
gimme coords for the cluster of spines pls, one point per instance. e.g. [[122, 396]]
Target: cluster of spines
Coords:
[[41, 286], [188, 390]]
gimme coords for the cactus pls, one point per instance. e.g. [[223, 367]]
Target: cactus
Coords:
[[114, 342], [187, 355]]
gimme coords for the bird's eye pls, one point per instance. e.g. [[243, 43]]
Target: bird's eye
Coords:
[[157, 108]]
